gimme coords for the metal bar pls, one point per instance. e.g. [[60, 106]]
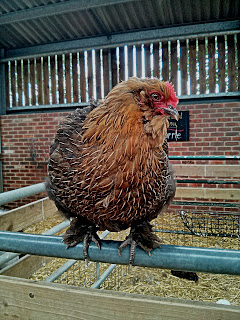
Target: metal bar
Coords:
[[21, 193], [204, 157], [207, 181], [204, 204], [67, 265], [205, 234], [49, 106], [209, 260], [104, 276], [7, 256], [132, 37]]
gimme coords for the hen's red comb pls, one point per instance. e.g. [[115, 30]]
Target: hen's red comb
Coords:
[[173, 100]]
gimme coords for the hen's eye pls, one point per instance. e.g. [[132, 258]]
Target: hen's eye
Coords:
[[155, 96]]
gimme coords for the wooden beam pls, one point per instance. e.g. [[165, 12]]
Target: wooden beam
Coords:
[[20, 218], [223, 171], [25, 299]]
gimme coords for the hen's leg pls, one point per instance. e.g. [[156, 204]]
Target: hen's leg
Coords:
[[140, 235], [79, 230]]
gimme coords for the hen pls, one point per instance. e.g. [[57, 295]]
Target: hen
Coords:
[[109, 168]]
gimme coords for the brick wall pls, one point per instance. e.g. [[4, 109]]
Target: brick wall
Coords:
[[214, 130]]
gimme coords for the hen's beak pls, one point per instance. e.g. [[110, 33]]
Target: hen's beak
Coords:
[[171, 112]]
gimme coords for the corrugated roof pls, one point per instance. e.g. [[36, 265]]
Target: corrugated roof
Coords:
[[26, 23]]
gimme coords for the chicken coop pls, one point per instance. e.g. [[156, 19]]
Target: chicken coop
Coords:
[[56, 56]]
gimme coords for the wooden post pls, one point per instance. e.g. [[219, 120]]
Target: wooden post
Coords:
[[4, 86], [212, 64], [82, 77], [183, 66], [202, 64], [106, 71], [113, 66], [165, 61], [122, 64], [238, 56], [221, 63], [139, 60], [90, 74], [231, 63], [68, 78], [19, 82], [147, 61], [32, 81], [130, 61], [174, 64], [39, 80], [60, 78], [156, 67], [75, 77], [98, 74], [13, 83], [53, 79], [46, 80], [26, 81], [192, 66]]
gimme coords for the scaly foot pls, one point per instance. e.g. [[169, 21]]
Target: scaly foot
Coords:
[[140, 235]]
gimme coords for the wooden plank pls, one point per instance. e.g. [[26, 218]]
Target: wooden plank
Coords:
[[106, 71], [33, 82], [19, 82], [82, 77], [147, 60], [68, 78], [22, 217], [156, 60], [26, 299], [139, 60], [26, 81], [13, 84], [46, 80], [25, 266], [130, 61], [7, 85], [221, 63], [122, 64], [192, 66], [53, 79], [231, 63], [165, 61], [39, 80], [98, 74], [60, 78], [183, 66], [174, 64], [203, 171], [202, 64], [75, 77], [208, 193], [114, 66], [90, 74], [212, 64]]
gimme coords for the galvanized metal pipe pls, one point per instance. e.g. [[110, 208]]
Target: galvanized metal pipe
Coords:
[[4, 258], [104, 276], [209, 260], [67, 265], [21, 193]]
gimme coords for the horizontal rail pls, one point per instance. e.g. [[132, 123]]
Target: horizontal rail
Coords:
[[21, 193], [209, 260], [204, 157], [207, 181]]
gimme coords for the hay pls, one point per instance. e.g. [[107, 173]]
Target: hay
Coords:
[[150, 281]]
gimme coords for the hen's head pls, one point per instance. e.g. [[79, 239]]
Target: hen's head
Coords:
[[158, 97]]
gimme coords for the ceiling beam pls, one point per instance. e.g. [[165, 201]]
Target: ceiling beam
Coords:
[[55, 8], [134, 37]]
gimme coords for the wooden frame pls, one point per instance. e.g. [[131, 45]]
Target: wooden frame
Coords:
[[25, 299]]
